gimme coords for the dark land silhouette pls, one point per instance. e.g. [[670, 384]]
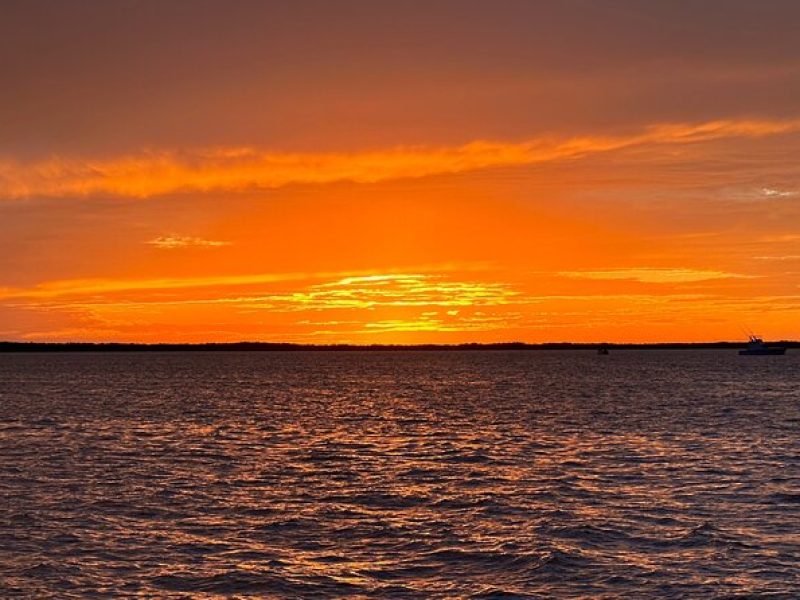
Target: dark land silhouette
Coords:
[[273, 346]]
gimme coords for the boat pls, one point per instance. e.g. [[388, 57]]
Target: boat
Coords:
[[757, 347], [602, 349]]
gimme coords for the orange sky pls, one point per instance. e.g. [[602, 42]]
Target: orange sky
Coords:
[[433, 172]]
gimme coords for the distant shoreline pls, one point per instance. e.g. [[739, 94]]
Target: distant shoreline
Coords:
[[18, 347]]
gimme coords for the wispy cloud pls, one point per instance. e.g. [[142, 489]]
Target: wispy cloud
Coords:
[[653, 275], [72, 288], [155, 173], [780, 238], [779, 257], [774, 193], [97, 287], [402, 290], [369, 303], [342, 290], [173, 242]]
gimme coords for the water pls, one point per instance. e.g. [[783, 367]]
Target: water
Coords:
[[643, 474]]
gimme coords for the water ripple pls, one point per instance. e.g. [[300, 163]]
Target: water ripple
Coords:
[[400, 475]]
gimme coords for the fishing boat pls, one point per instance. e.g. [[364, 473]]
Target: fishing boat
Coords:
[[757, 347]]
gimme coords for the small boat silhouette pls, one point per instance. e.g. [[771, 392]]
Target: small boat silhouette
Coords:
[[757, 347], [602, 349]]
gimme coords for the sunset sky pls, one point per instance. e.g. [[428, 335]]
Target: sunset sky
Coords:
[[399, 172]]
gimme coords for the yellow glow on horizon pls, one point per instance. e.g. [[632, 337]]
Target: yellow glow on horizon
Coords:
[[573, 248]]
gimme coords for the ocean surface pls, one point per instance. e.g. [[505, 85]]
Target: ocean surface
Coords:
[[485, 474]]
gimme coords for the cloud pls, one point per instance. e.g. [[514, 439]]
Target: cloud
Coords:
[[472, 323], [176, 241], [160, 172], [651, 275], [94, 287], [780, 257], [401, 290], [773, 193], [780, 238], [352, 289], [367, 296], [71, 288]]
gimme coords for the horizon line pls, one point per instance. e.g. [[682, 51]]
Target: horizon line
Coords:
[[78, 346]]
